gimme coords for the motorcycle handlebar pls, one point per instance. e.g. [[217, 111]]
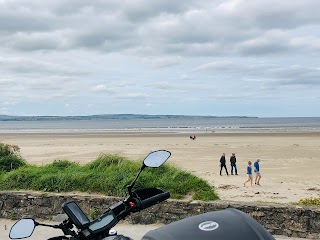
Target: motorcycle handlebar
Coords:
[[135, 204], [154, 200]]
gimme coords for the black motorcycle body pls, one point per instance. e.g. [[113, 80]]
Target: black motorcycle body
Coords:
[[228, 224]]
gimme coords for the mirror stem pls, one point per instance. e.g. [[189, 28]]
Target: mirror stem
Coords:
[[129, 187], [46, 225]]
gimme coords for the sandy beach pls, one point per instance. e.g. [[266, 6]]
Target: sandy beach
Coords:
[[289, 161]]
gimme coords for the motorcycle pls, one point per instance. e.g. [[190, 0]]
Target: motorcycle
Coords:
[[228, 224]]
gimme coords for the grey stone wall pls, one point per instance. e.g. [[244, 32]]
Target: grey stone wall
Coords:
[[285, 220]]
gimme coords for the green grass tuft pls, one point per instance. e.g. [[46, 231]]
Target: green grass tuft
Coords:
[[9, 158], [308, 202], [108, 174], [62, 164]]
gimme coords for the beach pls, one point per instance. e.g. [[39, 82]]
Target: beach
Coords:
[[289, 161]]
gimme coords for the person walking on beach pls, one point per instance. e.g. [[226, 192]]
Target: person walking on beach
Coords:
[[233, 161], [193, 137], [257, 172], [249, 172], [223, 164]]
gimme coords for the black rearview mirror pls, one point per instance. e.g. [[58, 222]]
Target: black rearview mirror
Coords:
[[22, 229], [156, 158]]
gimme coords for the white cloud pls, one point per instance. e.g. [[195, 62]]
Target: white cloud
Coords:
[[102, 89], [185, 77], [125, 84], [268, 73], [164, 85], [141, 96], [6, 82], [163, 61], [23, 65]]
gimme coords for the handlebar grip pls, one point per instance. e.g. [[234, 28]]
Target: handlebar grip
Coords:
[[154, 200]]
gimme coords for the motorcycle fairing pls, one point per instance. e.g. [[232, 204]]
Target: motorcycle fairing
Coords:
[[228, 224]]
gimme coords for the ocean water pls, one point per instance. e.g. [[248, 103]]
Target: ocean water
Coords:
[[179, 125]]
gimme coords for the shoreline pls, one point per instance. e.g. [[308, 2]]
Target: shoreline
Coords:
[[104, 133]]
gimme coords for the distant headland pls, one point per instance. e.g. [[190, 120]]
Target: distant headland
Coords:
[[109, 116]]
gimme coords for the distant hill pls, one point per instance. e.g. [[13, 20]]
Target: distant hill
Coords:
[[107, 116]]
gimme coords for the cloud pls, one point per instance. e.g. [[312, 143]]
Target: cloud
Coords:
[[265, 44], [134, 96], [15, 17], [95, 51], [163, 85], [125, 84], [161, 27], [102, 89], [6, 82], [307, 43], [272, 14], [112, 86], [268, 73], [35, 41], [163, 61], [22, 65], [217, 66]]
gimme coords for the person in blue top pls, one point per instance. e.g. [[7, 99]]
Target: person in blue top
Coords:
[[257, 172], [249, 172]]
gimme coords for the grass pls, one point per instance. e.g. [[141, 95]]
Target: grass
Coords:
[[308, 202], [9, 158], [108, 174]]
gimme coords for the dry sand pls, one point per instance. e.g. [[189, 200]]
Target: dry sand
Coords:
[[289, 161]]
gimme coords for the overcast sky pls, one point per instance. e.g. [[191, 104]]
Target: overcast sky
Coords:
[[237, 57]]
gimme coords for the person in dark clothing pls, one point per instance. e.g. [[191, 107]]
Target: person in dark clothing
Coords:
[[257, 172], [233, 161], [193, 137], [223, 164]]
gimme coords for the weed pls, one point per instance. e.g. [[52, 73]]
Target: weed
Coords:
[[309, 202]]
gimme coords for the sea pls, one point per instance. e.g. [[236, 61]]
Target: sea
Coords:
[[170, 125]]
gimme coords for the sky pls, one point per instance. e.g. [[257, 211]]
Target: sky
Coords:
[[221, 58]]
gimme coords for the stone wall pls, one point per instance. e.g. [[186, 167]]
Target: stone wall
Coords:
[[286, 220]]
